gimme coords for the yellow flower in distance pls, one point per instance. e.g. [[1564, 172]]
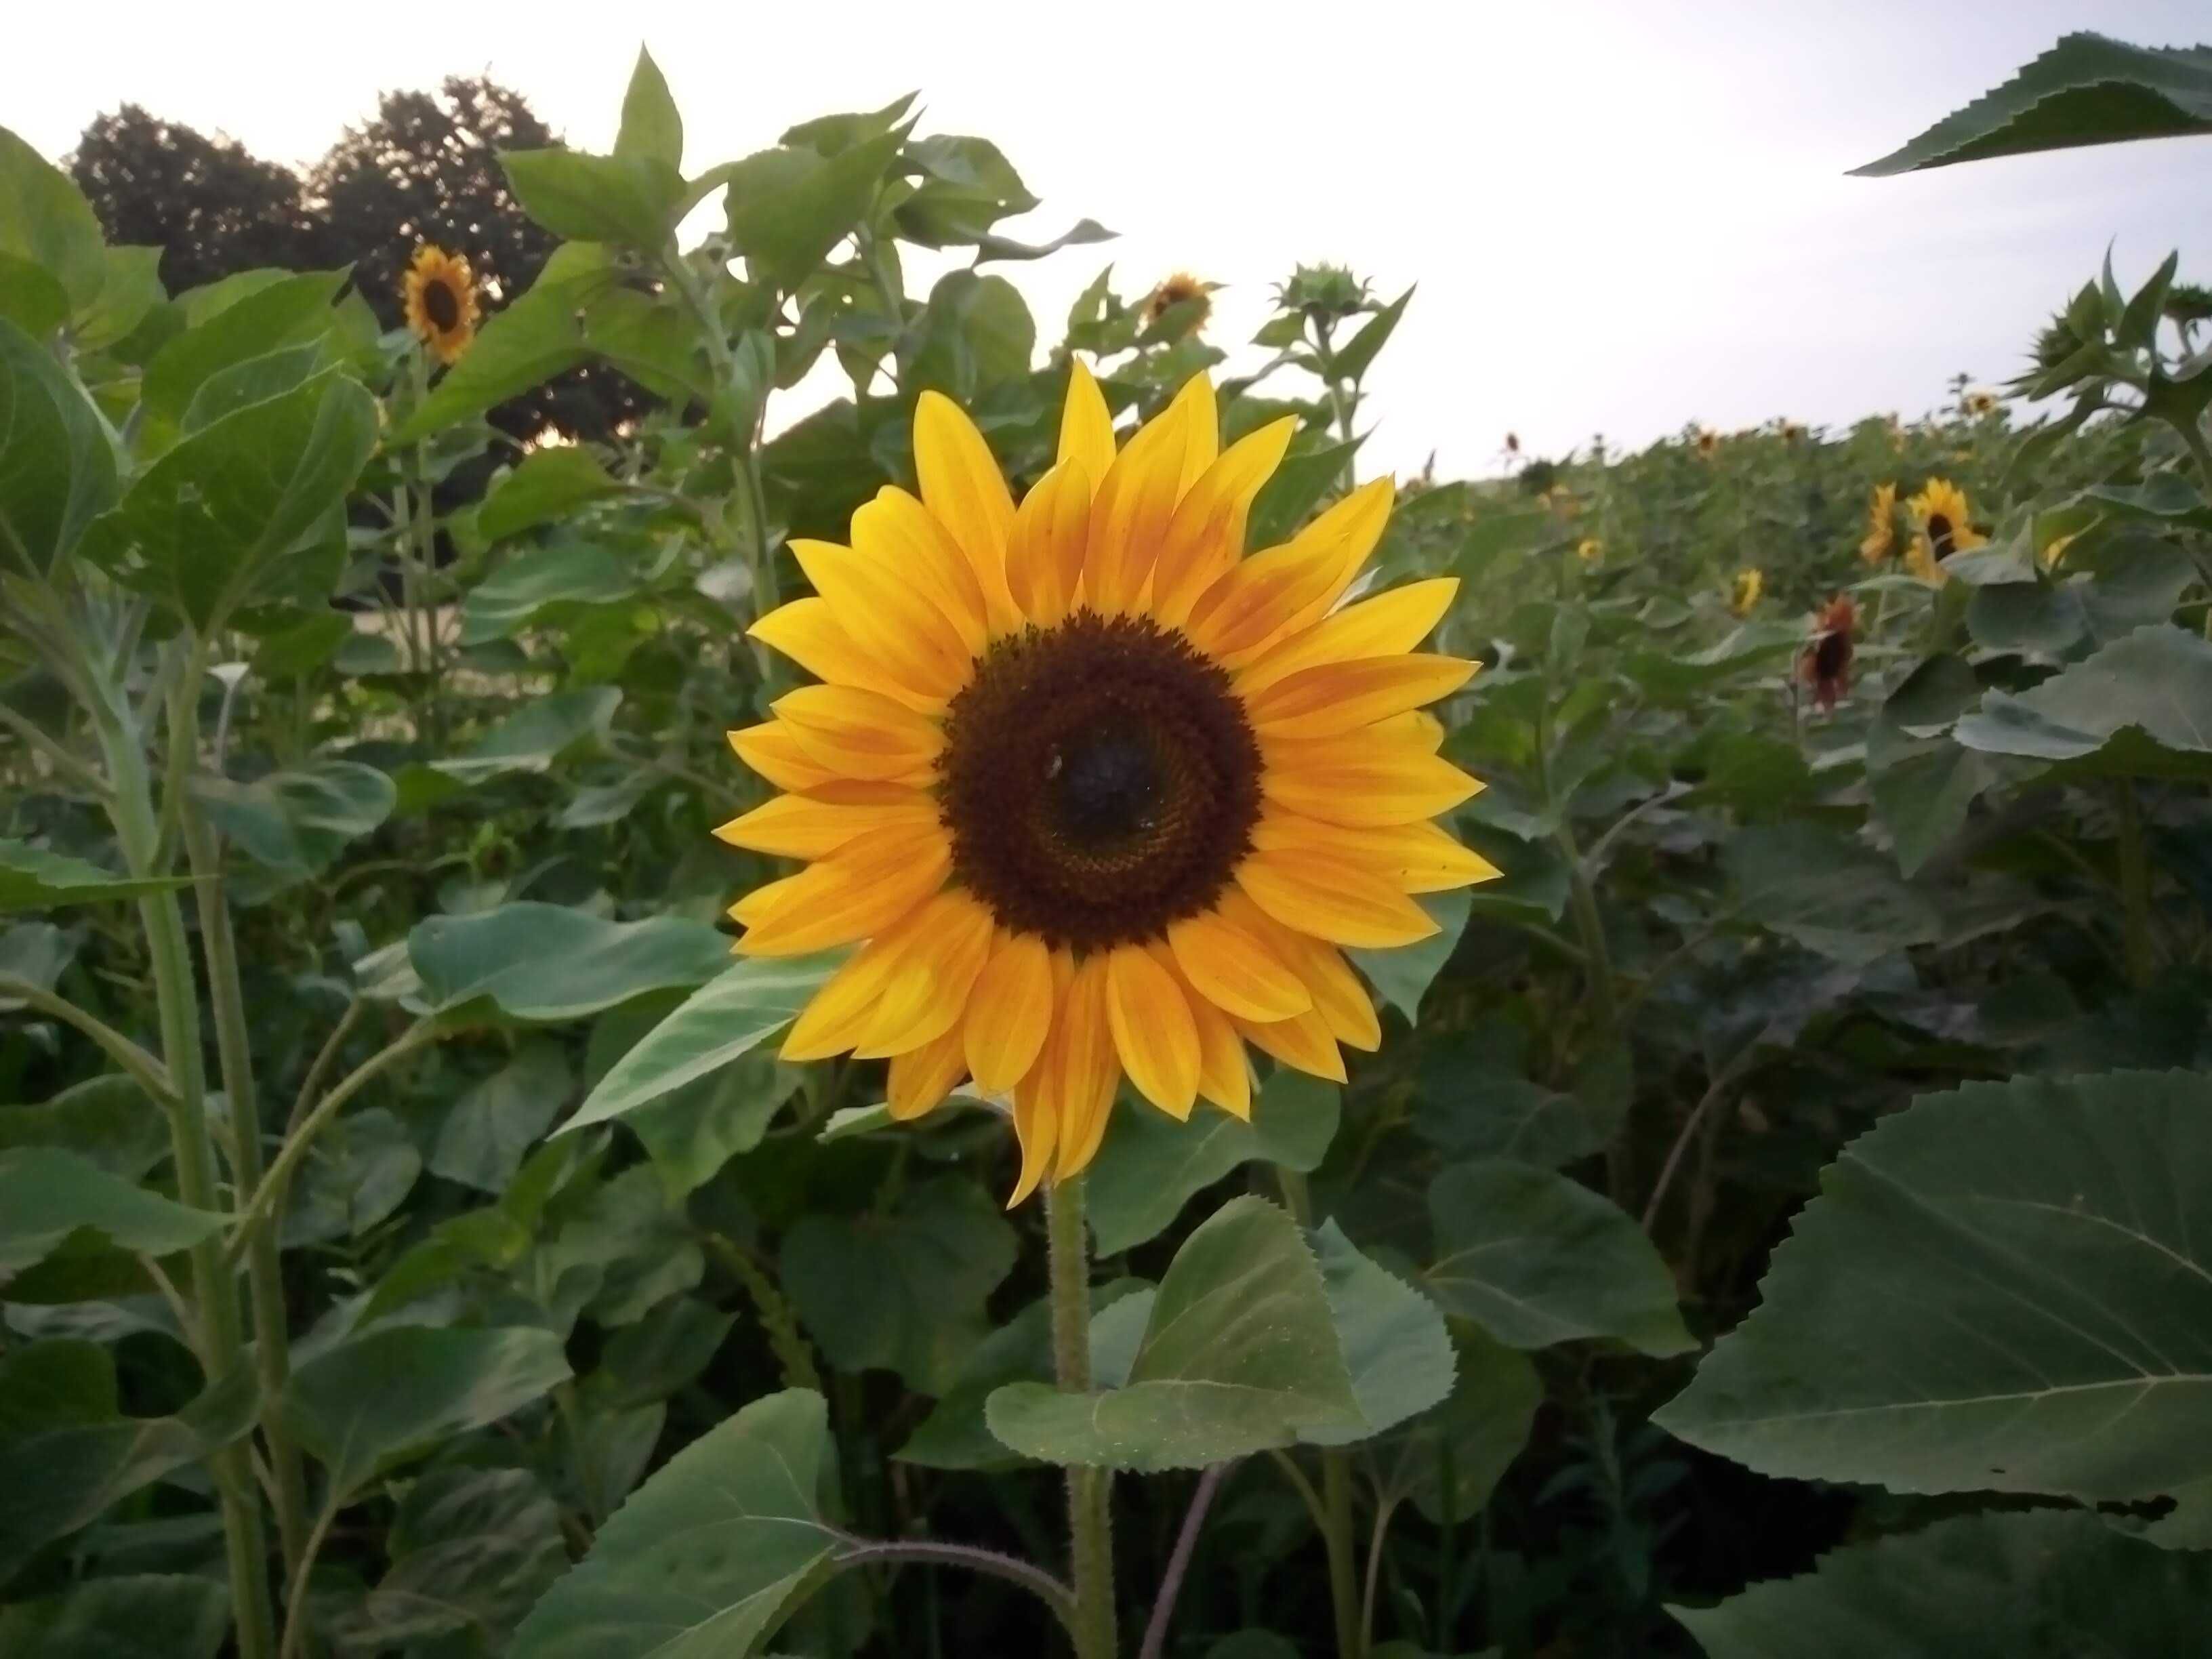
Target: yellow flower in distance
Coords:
[[1589, 549], [1980, 402], [1178, 289], [1940, 529], [2055, 550], [439, 292], [1881, 525], [1094, 793], [1750, 583]]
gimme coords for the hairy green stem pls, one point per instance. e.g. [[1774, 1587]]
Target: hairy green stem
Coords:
[[785, 1341], [1334, 1510], [870, 1551], [1089, 1520]]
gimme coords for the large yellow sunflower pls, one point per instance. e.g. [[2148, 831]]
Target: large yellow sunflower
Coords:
[[1881, 525], [1094, 793], [1940, 528], [440, 295]]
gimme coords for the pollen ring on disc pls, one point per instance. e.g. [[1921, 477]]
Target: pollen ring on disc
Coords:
[[1100, 781]]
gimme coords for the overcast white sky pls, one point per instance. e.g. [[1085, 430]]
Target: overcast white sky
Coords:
[[1623, 215]]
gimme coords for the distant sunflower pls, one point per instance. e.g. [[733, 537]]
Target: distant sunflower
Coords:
[[1881, 525], [1589, 549], [1792, 432], [1825, 664], [1095, 794], [1513, 443], [1181, 289], [1750, 583], [1939, 514], [1708, 443], [439, 294], [1979, 402]]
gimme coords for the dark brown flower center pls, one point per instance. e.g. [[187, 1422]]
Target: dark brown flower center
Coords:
[[439, 304], [1831, 655], [1100, 781], [1940, 535]]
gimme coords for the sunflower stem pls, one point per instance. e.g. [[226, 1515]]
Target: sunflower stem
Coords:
[[1091, 1526], [1334, 1512]]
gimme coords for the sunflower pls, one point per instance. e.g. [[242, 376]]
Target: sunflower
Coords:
[[1589, 549], [1940, 523], [1881, 525], [1181, 289], [1093, 793], [1825, 664], [1750, 583], [1979, 402], [1708, 443], [439, 294]]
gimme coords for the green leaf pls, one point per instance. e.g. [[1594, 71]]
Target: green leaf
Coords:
[[550, 483], [634, 1246], [547, 962], [2027, 1304], [975, 333], [297, 822], [139, 1616], [651, 127], [1473, 1104], [710, 1555], [57, 466], [1239, 1355], [693, 1131], [1826, 892], [295, 653], [31, 298], [471, 1550], [371, 1403], [530, 341], [2087, 89], [541, 583], [290, 312], [106, 1121], [31, 879], [2157, 680], [731, 1015], [1534, 1258], [1393, 1341], [633, 200], [789, 207], [1450, 1460], [1404, 975], [1990, 1586], [1296, 489], [45, 220], [133, 288], [360, 1169], [47, 1195], [212, 520], [536, 735], [1150, 1165], [903, 1291], [482, 1140], [1351, 362]]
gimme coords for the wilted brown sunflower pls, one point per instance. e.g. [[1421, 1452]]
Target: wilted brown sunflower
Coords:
[[440, 295], [1825, 664], [1181, 289]]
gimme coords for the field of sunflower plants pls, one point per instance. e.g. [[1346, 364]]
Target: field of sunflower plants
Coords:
[[915, 1036]]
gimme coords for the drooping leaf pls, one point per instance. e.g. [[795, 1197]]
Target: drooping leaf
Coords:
[[57, 465], [1826, 892], [1448, 1460], [360, 1170], [486, 1133], [536, 735], [131, 1616], [46, 1194], [297, 821], [692, 1132], [32, 879], [549, 484], [1393, 1341], [471, 1549], [788, 207], [547, 962], [2157, 680], [632, 200], [46, 220]]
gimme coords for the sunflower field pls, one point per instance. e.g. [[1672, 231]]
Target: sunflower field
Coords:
[[1031, 1013]]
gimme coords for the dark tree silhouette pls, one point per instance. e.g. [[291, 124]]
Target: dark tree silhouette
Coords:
[[210, 205]]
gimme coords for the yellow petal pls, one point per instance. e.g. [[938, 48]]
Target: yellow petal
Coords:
[[1153, 1030], [1206, 536], [1370, 777], [807, 631], [1332, 900], [921, 1078], [832, 1022], [1379, 626], [1233, 969], [1332, 698], [1130, 516], [1415, 858], [1044, 559], [856, 892], [964, 491], [1083, 1041], [1010, 1013], [1338, 997], [771, 750], [860, 734], [945, 947], [1036, 1127], [808, 826], [899, 630], [1303, 1041], [1202, 433], [897, 531], [1086, 428], [1270, 594], [1223, 1075]]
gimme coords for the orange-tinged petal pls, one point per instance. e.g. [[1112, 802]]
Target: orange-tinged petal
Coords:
[[1201, 432], [1303, 1041], [896, 530], [965, 491], [1087, 428], [1130, 516], [1207, 535], [1338, 996], [1334, 698], [921, 1078], [1010, 1013], [1416, 858], [858, 733], [1044, 559], [807, 826], [1290, 587], [1153, 1029], [1233, 969], [1224, 1077], [832, 1022], [1369, 777], [891, 620], [1083, 1043], [943, 948], [856, 892], [807, 631], [1036, 1127], [771, 750], [1332, 900], [1381, 626]]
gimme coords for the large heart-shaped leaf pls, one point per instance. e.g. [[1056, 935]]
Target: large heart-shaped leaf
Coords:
[[2157, 680], [46, 1194], [1395, 1344], [547, 962], [133, 1616], [57, 465]]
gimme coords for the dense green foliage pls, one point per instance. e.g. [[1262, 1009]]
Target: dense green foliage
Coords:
[[1777, 1213]]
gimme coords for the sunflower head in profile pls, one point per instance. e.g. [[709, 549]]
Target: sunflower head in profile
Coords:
[[1825, 663], [1184, 290], [1792, 432], [1589, 549], [439, 292], [1093, 793], [1708, 443], [1940, 528], [1880, 538], [1743, 594], [1980, 402]]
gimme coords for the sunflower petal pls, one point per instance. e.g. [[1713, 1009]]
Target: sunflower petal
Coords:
[[807, 631], [1371, 777], [1381, 626], [1044, 559], [1233, 969], [1153, 1029], [1086, 428], [855, 893], [1207, 535], [771, 750], [1130, 515], [920, 1078], [1036, 1127], [1010, 1014], [946, 944], [1334, 698], [895, 531], [1338, 997], [810, 825], [831, 1023], [1083, 1041], [1224, 1077], [1290, 587], [1332, 900], [899, 630], [860, 734], [963, 489], [1416, 858], [1303, 1041]]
